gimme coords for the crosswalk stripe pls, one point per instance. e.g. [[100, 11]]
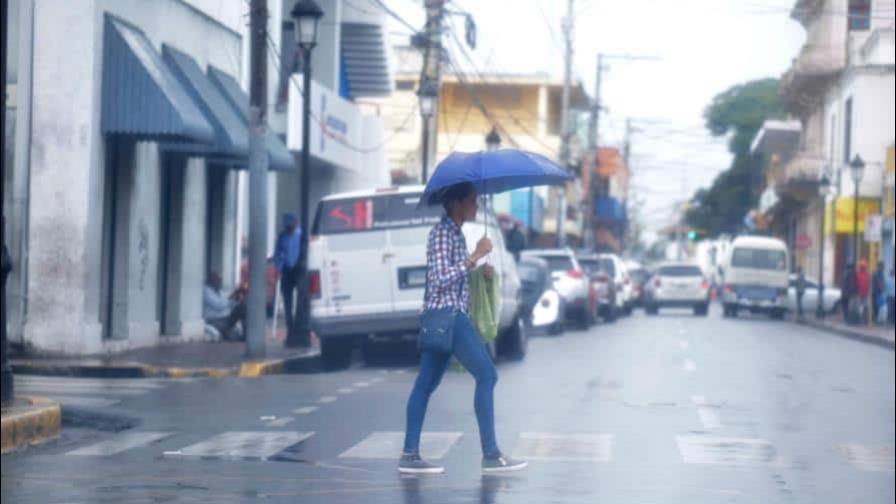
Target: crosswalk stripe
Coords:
[[243, 445], [279, 422], [305, 410], [388, 445], [144, 383], [564, 447], [867, 458], [727, 451], [120, 443]]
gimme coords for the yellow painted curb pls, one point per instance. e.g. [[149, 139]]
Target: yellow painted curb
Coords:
[[31, 420], [254, 369]]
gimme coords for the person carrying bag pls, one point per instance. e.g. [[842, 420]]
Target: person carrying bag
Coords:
[[446, 330]]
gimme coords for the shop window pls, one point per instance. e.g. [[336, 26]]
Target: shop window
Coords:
[[859, 15]]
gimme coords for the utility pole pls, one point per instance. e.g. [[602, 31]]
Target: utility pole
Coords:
[[568, 25], [431, 80], [626, 155], [258, 169], [594, 160]]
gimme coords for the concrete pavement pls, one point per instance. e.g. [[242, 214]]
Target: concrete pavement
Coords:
[[670, 408]]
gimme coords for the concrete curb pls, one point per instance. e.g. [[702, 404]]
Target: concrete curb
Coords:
[[294, 364], [31, 420], [852, 334]]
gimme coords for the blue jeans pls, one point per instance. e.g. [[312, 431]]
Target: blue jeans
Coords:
[[469, 350]]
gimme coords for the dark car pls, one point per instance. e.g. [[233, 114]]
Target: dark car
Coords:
[[541, 305]]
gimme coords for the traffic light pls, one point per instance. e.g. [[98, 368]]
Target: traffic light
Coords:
[[692, 235]]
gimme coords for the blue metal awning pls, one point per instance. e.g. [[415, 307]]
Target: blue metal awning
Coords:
[[140, 96], [231, 139], [279, 157]]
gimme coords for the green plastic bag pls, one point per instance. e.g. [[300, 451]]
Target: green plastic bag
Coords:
[[485, 305]]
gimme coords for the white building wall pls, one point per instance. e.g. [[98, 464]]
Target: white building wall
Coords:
[[67, 174]]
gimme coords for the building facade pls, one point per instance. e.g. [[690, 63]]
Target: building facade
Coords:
[[126, 179], [840, 88]]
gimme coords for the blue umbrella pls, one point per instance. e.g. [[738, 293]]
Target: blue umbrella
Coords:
[[492, 172]]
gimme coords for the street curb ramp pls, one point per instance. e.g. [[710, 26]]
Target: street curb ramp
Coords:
[[29, 421]]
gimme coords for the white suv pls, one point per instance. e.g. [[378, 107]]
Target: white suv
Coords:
[[367, 261], [677, 285]]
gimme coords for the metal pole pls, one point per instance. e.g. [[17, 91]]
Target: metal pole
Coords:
[[564, 122], [855, 226], [819, 311], [302, 334], [425, 151], [258, 168], [6, 379]]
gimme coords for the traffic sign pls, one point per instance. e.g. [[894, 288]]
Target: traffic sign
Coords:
[[803, 242]]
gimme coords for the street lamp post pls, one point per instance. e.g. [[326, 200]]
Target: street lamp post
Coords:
[[824, 186], [428, 94], [856, 171], [305, 15]]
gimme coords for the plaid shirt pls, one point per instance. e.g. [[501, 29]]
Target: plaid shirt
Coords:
[[446, 278]]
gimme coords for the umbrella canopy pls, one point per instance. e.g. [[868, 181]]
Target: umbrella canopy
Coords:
[[492, 172]]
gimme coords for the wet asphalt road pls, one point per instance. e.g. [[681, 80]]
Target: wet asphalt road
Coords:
[[660, 409]]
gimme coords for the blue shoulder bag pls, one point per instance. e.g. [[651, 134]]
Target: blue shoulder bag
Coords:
[[436, 326]]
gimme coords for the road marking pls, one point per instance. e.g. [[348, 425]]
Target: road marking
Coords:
[[120, 443], [683, 344], [564, 447], [361, 384], [345, 390], [242, 445], [90, 382], [690, 366], [327, 399], [377, 379], [707, 413], [867, 458], [279, 422], [76, 389], [388, 445], [305, 410], [727, 451]]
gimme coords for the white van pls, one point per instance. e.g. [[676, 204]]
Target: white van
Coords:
[[367, 261], [755, 277]]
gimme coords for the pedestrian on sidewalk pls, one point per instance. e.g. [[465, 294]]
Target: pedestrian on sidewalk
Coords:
[[286, 260], [863, 290], [800, 292], [847, 290], [877, 292], [271, 278], [891, 298], [223, 312], [447, 287]]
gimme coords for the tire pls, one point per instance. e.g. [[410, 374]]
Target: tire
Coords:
[[652, 309], [584, 320], [627, 310], [778, 314], [610, 315], [335, 353], [557, 328], [701, 310], [514, 343]]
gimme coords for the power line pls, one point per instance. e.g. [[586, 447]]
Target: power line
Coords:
[[395, 16]]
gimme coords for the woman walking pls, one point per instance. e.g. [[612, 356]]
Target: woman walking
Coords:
[[448, 266]]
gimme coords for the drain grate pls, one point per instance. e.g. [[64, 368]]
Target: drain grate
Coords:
[[867, 458], [726, 451]]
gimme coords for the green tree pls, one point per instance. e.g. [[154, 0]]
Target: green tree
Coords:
[[738, 113]]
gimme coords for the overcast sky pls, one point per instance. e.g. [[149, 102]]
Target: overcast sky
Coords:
[[703, 46]]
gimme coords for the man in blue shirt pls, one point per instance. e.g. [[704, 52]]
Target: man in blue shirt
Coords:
[[286, 259]]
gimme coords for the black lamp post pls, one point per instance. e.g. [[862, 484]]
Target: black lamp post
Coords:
[[305, 15], [428, 95], [824, 187], [856, 172]]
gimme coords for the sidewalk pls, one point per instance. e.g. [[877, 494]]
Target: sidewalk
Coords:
[[29, 420], [876, 335], [215, 359]]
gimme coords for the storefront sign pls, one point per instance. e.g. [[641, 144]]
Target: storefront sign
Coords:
[[842, 218], [873, 228]]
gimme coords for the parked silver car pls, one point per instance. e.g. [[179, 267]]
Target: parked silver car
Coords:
[[810, 297]]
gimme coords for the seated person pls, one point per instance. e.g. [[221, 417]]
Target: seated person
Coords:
[[221, 312]]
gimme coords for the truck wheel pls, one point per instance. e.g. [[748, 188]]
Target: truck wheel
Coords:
[[651, 309], [335, 353], [515, 342], [610, 315], [778, 314]]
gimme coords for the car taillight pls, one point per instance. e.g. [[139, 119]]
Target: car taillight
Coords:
[[314, 283], [575, 274], [729, 289], [603, 278], [704, 284], [657, 283]]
